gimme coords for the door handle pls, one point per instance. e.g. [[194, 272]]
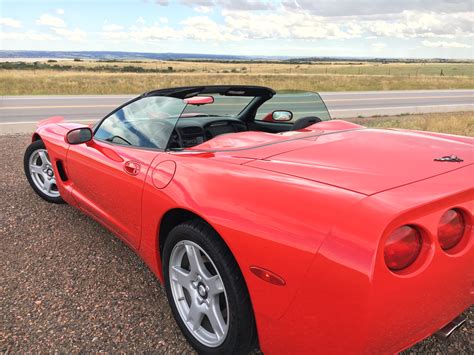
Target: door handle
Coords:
[[131, 167]]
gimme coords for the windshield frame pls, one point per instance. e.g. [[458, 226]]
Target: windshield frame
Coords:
[[96, 127]]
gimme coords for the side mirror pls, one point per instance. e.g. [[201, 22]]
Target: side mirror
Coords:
[[282, 116], [79, 135]]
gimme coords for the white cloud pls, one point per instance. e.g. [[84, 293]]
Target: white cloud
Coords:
[[75, 35], [246, 5], [411, 24], [199, 28], [367, 33], [443, 44], [286, 24], [203, 9], [9, 22], [154, 33], [141, 21], [116, 36], [142, 34], [29, 36], [374, 7], [112, 27], [379, 45], [50, 20], [60, 11], [202, 28]]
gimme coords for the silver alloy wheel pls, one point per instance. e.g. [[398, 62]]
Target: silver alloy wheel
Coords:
[[199, 293], [42, 173]]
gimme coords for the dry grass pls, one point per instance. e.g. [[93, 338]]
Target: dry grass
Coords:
[[460, 123], [343, 68], [47, 82]]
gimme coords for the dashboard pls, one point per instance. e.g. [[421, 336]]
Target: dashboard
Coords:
[[190, 132]]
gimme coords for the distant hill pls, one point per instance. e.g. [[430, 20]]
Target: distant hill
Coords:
[[128, 55], [107, 55]]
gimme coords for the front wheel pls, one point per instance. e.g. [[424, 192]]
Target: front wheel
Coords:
[[39, 172], [206, 291]]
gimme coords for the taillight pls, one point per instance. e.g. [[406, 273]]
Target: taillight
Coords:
[[402, 248], [451, 229]]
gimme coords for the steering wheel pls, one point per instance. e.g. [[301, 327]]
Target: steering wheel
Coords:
[[176, 141]]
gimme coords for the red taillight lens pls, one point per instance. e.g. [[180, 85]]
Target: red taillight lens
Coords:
[[402, 248], [451, 229]]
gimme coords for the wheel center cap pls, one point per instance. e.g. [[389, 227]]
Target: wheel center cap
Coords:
[[202, 290]]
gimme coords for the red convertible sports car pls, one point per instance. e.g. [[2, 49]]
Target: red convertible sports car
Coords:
[[270, 225]]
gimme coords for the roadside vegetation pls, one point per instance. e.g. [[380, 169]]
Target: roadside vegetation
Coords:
[[243, 67], [459, 123], [76, 77]]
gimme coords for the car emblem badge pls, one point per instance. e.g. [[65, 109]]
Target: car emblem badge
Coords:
[[450, 159]]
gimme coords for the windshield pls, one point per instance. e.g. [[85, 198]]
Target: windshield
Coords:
[[154, 121], [300, 104], [147, 122], [223, 106]]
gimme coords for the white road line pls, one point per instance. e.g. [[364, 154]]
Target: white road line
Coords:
[[404, 98], [383, 92], [65, 97], [300, 112], [31, 122], [45, 107], [399, 107], [233, 104]]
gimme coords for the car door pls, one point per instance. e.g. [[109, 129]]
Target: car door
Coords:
[[108, 173]]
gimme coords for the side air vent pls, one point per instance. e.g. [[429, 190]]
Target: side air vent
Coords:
[[61, 171]]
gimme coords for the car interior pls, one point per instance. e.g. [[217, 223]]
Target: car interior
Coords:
[[190, 132], [212, 111], [196, 126]]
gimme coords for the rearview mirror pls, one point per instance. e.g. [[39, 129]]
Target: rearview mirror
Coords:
[[199, 100], [282, 116], [79, 135]]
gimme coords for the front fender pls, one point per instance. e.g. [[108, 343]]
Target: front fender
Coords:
[[50, 120]]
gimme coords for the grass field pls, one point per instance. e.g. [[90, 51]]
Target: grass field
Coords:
[[338, 76], [459, 123], [76, 83], [342, 68]]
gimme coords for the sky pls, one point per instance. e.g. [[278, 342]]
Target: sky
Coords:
[[294, 28]]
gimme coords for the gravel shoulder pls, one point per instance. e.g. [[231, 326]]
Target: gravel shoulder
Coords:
[[68, 285]]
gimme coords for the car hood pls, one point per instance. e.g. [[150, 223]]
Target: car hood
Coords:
[[367, 160]]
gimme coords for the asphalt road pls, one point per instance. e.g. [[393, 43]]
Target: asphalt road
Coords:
[[67, 285], [25, 111]]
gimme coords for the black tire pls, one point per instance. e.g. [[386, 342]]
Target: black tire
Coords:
[[242, 335], [29, 151]]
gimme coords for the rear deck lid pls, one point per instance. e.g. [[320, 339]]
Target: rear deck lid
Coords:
[[370, 160]]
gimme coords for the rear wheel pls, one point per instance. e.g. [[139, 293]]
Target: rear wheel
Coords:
[[206, 291], [39, 172]]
